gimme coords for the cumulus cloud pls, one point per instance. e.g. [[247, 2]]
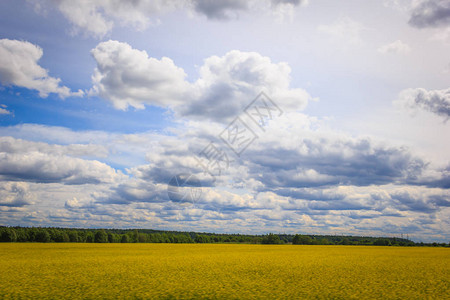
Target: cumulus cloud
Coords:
[[430, 13], [434, 101], [97, 18], [13, 145], [14, 194], [397, 47], [38, 162], [4, 111], [228, 83], [295, 174], [129, 77], [420, 200], [325, 161], [222, 9], [230, 9], [19, 66], [279, 163]]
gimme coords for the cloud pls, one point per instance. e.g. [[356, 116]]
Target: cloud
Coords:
[[407, 199], [37, 162], [129, 77], [328, 161], [278, 163], [430, 13], [397, 47], [13, 145], [229, 83], [344, 30], [292, 2], [4, 111], [298, 173], [19, 67], [14, 194], [222, 9], [434, 101], [230, 9], [97, 18]]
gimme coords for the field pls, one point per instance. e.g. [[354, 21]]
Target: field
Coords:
[[32, 270]]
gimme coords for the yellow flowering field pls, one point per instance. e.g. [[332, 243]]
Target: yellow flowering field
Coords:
[[222, 271]]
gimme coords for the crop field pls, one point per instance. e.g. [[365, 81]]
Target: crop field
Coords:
[[222, 271]]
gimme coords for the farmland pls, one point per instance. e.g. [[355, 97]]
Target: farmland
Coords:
[[70, 270]]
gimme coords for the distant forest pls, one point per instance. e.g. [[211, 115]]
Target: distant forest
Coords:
[[75, 235]]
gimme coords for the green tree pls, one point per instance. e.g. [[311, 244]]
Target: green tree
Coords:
[[42, 236], [22, 235], [124, 238], [142, 238], [271, 239], [382, 242], [8, 235], [89, 237], [101, 236], [302, 240], [113, 237], [346, 241], [73, 236], [201, 238]]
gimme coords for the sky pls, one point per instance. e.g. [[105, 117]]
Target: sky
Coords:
[[228, 116]]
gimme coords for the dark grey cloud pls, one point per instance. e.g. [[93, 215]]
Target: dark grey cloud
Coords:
[[431, 13], [441, 180], [219, 9], [14, 194], [434, 101], [135, 191], [435, 104], [326, 162], [407, 201], [98, 18], [310, 194], [226, 9], [293, 2]]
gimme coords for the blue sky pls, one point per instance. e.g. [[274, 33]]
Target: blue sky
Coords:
[[102, 103]]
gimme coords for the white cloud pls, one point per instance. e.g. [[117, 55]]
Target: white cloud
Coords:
[[97, 18], [4, 111], [129, 77], [19, 66], [325, 180], [13, 145], [283, 10], [40, 162], [344, 30], [397, 47]]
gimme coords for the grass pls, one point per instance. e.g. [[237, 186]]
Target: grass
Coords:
[[222, 271]]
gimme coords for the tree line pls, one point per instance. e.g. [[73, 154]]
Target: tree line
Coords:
[[74, 235]]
